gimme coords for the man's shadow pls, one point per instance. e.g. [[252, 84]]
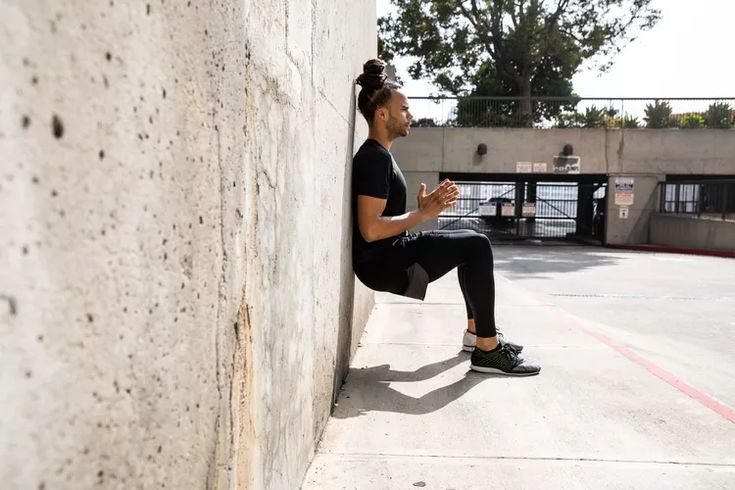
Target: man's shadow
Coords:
[[368, 389]]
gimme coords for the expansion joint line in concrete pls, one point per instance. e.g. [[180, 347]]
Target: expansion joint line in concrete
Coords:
[[526, 458]]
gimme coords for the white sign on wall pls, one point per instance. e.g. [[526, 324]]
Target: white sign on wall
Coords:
[[524, 167], [624, 191], [567, 164], [539, 167]]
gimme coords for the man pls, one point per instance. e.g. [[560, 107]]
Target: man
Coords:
[[387, 258]]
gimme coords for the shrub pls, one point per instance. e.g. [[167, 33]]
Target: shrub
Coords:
[[691, 121], [594, 117], [719, 115], [569, 120], [631, 122], [425, 122], [658, 114]]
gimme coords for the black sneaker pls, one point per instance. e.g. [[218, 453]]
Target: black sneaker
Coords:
[[502, 360], [470, 339]]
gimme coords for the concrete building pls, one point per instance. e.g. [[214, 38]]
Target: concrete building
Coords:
[[177, 305], [648, 156]]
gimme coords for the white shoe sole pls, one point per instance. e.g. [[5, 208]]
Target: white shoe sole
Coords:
[[481, 369]]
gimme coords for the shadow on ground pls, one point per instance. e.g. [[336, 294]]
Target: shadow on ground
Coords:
[[370, 389], [517, 262]]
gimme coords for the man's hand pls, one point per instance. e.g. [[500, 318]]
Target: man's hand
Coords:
[[444, 196]]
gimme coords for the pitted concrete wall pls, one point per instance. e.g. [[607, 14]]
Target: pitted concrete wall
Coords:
[[176, 292]]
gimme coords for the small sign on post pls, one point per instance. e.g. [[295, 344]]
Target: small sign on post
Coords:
[[508, 209], [529, 209]]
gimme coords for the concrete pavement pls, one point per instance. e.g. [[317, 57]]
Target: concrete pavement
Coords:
[[636, 389]]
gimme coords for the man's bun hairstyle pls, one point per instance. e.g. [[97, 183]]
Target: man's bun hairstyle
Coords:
[[376, 88]]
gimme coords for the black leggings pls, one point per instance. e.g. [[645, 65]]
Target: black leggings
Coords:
[[438, 252]]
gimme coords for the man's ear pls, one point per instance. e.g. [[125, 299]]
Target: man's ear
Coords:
[[382, 113]]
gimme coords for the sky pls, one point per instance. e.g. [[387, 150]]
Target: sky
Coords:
[[689, 53]]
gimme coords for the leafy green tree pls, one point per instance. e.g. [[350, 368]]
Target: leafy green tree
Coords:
[[511, 47]]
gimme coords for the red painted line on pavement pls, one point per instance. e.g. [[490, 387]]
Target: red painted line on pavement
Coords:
[[719, 408], [689, 390]]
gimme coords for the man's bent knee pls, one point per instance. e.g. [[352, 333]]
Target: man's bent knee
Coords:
[[480, 243]]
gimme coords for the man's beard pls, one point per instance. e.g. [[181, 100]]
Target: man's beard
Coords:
[[395, 129]]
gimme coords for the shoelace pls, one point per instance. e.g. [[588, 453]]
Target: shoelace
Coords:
[[511, 353], [512, 349]]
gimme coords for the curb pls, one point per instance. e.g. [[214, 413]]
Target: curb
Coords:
[[730, 254]]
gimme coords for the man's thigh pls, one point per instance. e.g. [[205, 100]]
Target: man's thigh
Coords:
[[440, 251]]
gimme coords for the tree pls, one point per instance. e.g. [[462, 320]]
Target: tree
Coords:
[[510, 47]]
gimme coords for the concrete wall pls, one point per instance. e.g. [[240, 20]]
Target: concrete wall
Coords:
[[689, 232], [602, 151], [645, 154], [176, 296]]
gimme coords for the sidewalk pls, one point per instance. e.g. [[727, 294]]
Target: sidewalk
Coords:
[[636, 389]]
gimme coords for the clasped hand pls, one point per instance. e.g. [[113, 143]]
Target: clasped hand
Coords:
[[442, 197]]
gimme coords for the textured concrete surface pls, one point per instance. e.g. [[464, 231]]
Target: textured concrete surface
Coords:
[[633, 347], [685, 231], [176, 293], [602, 151], [636, 227]]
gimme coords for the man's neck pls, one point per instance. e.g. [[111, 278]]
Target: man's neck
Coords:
[[381, 137]]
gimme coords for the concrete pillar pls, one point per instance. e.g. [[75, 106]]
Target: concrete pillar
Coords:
[[635, 228]]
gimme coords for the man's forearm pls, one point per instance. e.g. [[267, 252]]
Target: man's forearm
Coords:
[[388, 226]]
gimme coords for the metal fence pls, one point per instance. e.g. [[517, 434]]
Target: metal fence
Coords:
[[527, 209], [579, 112], [713, 199]]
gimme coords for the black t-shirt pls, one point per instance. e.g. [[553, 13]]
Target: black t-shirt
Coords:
[[375, 173]]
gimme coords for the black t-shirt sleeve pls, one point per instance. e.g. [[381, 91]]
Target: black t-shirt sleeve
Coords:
[[373, 177]]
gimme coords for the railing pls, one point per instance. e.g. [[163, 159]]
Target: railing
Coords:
[[714, 199], [574, 112]]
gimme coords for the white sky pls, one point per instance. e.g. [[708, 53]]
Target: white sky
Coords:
[[689, 53]]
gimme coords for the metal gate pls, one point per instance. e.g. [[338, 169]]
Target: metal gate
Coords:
[[529, 209]]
